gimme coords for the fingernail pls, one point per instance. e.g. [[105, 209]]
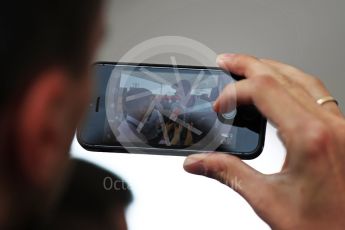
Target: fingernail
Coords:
[[220, 62], [227, 56], [222, 58], [193, 164]]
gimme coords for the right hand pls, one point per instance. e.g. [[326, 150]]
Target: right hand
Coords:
[[309, 192]]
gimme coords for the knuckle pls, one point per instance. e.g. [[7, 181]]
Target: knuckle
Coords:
[[239, 61], [243, 61], [292, 70], [315, 82], [222, 170], [317, 138], [265, 81], [240, 58], [340, 130], [222, 176]]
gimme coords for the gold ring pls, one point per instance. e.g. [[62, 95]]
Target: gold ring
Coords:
[[326, 99]]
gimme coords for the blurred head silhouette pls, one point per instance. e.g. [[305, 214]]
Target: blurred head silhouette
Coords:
[[183, 88], [94, 199], [47, 48]]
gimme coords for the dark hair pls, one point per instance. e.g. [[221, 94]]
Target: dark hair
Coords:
[[92, 192], [185, 84], [38, 34]]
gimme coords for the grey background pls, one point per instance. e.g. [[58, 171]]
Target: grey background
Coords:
[[308, 34]]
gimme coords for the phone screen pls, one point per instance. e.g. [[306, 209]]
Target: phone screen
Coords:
[[157, 107]]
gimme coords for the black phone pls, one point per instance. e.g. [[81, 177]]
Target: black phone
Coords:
[[167, 110]]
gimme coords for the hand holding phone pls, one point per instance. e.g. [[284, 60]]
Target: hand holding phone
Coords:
[[307, 193]]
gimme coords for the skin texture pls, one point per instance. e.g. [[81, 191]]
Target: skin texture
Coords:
[[42, 126], [308, 193]]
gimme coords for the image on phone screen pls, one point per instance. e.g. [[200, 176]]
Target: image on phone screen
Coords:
[[157, 107]]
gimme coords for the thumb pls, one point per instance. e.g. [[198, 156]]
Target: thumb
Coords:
[[231, 171]]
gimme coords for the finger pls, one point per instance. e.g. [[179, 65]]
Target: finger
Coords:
[[239, 93], [311, 84], [253, 69], [233, 95], [296, 75], [231, 171], [270, 97], [243, 65]]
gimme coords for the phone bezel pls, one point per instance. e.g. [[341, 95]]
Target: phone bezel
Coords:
[[174, 152]]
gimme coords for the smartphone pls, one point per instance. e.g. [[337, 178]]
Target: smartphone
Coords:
[[167, 110]]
